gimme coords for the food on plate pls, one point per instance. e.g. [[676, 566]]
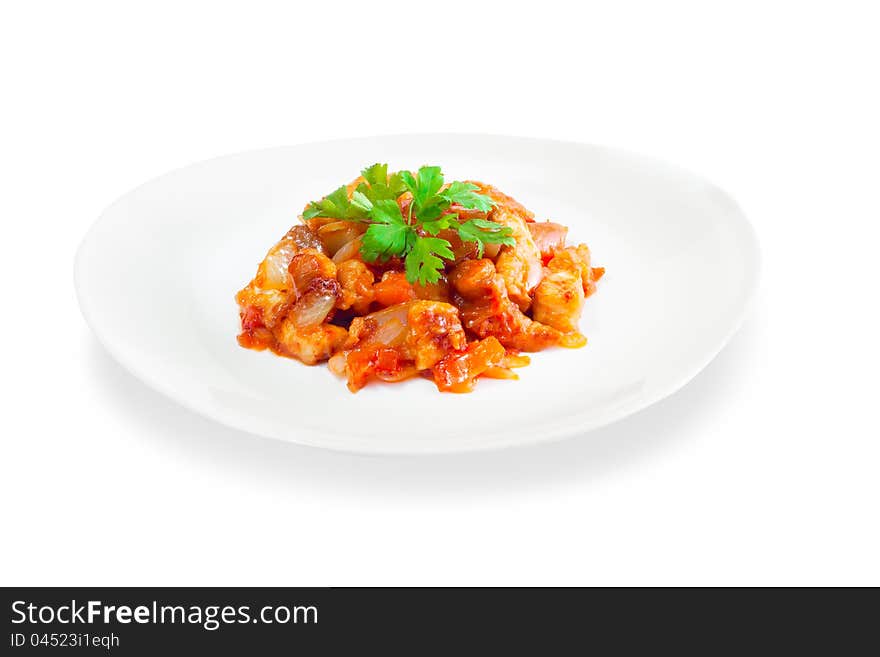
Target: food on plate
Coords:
[[401, 275]]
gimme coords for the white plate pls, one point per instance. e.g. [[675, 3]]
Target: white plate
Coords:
[[157, 273]]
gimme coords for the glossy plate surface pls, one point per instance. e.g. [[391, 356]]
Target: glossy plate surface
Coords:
[[157, 273]]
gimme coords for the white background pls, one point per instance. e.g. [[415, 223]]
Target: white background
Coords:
[[763, 470]]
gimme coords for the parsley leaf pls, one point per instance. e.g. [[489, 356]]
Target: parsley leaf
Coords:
[[465, 195], [383, 241], [429, 202], [435, 226], [386, 212], [423, 187], [376, 174], [335, 205], [360, 200], [379, 186], [389, 235], [375, 202], [424, 260], [485, 232]]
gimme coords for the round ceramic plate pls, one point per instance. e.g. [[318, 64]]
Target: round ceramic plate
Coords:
[[157, 273]]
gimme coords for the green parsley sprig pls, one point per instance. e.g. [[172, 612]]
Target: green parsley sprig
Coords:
[[414, 237]]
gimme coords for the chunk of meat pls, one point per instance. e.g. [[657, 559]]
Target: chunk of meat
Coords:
[[487, 311], [559, 298], [549, 237], [434, 330], [503, 200], [589, 275], [568, 280], [438, 291], [393, 289], [310, 344], [519, 265], [270, 305], [356, 283], [419, 333]]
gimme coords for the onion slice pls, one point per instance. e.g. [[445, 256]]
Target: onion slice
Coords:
[[316, 303]]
